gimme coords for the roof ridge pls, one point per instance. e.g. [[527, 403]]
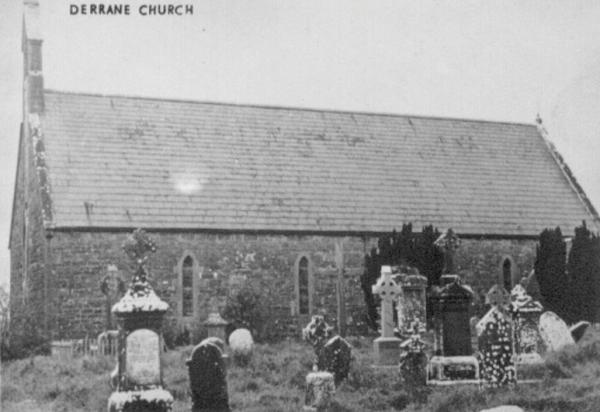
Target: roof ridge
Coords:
[[275, 107]]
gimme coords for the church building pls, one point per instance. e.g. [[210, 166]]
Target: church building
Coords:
[[287, 199]]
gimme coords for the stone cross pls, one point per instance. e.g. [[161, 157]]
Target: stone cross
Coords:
[[497, 296], [388, 290], [112, 287], [449, 243]]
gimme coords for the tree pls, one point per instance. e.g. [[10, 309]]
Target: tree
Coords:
[[584, 272], [550, 271]]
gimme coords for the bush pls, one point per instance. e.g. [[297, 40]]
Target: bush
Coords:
[[248, 308], [550, 271]]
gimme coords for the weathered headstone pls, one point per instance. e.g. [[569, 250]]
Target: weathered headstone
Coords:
[[413, 361], [497, 296], [387, 346], [242, 345], [320, 390], [317, 333], [208, 384], [138, 377], [412, 305], [336, 358], [579, 329], [554, 331], [526, 316], [494, 332]]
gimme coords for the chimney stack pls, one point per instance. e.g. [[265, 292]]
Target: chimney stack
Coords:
[[33, 81]]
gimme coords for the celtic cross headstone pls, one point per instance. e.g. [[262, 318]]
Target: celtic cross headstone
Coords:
[[387, 346]]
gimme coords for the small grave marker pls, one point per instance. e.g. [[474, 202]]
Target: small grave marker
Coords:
[[413, 361], [208, 384], [336, 358], [554, 331]]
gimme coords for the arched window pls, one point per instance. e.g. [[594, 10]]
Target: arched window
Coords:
[[303, 287], [507, 270], [187, 287], [187, 268]]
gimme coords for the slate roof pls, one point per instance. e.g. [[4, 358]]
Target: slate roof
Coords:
[[124, 162]]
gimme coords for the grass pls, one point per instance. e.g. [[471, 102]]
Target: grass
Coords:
[[274, 381]]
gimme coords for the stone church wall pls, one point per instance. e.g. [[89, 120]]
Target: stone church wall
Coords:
[[27, 252], [79, 261]]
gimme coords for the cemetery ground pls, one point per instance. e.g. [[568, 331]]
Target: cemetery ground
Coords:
[[274, 381]]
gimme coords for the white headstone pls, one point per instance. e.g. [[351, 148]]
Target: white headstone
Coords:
[[142, 357], [554, 331]]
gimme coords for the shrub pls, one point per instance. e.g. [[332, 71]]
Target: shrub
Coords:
[[248, 308], [584, 271], [550, 271]]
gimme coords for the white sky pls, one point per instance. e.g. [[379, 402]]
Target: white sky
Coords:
[[498, 60]]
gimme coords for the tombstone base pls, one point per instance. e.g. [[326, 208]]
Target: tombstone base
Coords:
[[453, 368], [387, 351], [151, 400]]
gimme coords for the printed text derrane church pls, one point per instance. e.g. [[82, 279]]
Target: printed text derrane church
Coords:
[[124, 9]]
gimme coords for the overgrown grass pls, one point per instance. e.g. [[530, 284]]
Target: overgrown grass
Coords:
[[274, 381]]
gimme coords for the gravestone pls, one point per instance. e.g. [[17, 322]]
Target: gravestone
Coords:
[[387, 346], [453, 358], [554, 331], [411, 305], [320, 390], [413, 360], [579, 329], [207, 374], [453, 318], [494, 332], [317, 333], [138, 377], [112, 287], [336, 358], [526, 313], [242, 346], [497, 296]]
